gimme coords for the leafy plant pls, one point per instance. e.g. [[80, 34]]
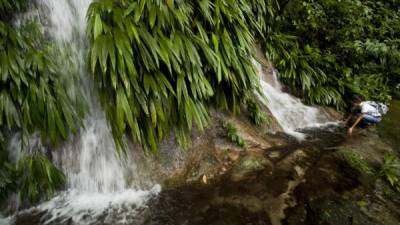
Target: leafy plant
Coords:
[[39, 92], [7, 175], [255, 113], [327, 50], [357, 162], [390, 170], [8, 7], [232, 134], [37, 176], [7, 180], [159, 64]]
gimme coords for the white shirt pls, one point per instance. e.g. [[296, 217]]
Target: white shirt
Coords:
[[367, 108]]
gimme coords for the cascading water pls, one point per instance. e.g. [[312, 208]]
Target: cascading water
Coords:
[[291, 114], [96, 178]]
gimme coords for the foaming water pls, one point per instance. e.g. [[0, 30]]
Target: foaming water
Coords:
[[291, 114], [96, 208], [97, 188]]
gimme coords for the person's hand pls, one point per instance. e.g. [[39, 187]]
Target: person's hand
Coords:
[[350, 131]]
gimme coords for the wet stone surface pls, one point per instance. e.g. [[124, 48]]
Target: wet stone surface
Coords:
[[290, 183]]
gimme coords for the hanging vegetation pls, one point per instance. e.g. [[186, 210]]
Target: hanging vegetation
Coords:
[[39, 92], [159, 63]]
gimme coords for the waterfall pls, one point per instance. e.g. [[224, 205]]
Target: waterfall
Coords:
[[97, 188], [90, 163], [291, 114]]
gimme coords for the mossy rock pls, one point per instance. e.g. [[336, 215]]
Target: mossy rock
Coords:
[[250, 165]]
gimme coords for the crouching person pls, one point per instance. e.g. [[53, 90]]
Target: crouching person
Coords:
[[366, 113]]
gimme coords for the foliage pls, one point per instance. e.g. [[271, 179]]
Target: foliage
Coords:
[[390, 171], [7, 179], [37, 176], [327, 50], [231, 133], [389, 128], [7, 7], [36, 92], [160, 63], [39, 91], [33, 176], [357, 162], [255, 112]]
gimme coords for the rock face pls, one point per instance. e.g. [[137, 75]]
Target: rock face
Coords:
[[250, 165], [275, 180]]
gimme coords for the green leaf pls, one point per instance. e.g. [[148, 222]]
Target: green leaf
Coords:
[[98, 26]]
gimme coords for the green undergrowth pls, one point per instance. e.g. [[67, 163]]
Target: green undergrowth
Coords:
[[232, 133], [388, 170], [389, 128], [358, 162], [255, 113], [32, 177]]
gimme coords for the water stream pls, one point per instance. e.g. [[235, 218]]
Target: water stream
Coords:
[[291, 114], [98, 191]]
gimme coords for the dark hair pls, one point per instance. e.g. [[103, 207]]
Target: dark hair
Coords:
[[357, 99]]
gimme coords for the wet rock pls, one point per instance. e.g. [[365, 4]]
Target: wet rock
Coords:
[[338, 212], [249, 165]]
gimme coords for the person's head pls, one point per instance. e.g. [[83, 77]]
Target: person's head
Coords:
[[356, 101]]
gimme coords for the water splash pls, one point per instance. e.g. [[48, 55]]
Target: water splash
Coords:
[[111, 208], [291, 114]]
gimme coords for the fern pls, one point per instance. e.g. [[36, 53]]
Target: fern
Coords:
[[231, 133]]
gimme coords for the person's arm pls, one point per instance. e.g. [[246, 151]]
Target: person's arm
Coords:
[[346, 121], [355, 124], [352, 112]]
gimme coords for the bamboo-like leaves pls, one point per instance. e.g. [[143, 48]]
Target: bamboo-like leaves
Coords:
[[41, 87], [173, 59], [37, 177]]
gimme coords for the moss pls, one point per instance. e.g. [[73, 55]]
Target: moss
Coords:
[[389, 129]]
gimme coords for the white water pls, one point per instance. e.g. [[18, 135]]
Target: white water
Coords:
[[291, 114], [96, 177]]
